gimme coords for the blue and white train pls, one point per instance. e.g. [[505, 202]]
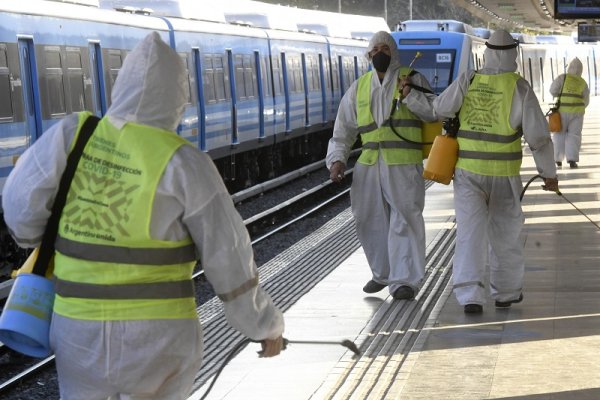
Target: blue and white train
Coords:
[[260, 101], [449, 48]]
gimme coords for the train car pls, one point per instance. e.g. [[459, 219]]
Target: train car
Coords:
[[256, 94], [450, 48], [447, 48], [56, 59]]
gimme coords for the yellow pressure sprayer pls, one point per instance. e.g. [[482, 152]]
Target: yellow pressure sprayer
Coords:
[[443, 156], [429, 129]]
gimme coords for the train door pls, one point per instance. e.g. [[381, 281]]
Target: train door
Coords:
[[245, 97], [305, 89], [31, 94], [323, 88], [197, 64], [98, 94], [341, 76], [234, 127], [261, 95], [286, 90]]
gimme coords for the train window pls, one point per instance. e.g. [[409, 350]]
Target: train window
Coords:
[[348, 73], [277, 76], [54, 94], [221, 90], [312, 73], [76, 83], [294, 71], [6, 110], [240, 88], [245, 77], [250, 77], [114, 59], [327, 74], [208, 81], [188, 91], [335, 77], [265, 77]]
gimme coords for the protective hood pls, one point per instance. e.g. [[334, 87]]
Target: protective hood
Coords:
[[501, 52], [383, 37], [575, 67], [150, 87]]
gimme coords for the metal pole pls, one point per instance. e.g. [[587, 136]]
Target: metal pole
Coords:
[[385, 10], [410, 8], [340, 6]]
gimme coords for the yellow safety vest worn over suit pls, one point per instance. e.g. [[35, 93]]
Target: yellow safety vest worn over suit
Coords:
[[395, 151], [487, 143], [571, 97], [107, 266]]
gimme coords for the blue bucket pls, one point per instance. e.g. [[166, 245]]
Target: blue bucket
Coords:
[[25, 320]]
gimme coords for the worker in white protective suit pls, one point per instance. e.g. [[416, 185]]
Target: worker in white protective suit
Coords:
[[388, 190], [496, 106], [136, 333], [573, 94]]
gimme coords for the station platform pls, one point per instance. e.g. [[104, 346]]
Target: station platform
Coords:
[[543, 348]]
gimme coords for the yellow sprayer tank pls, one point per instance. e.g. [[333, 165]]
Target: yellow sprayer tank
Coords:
[[440, 164], [430, 131]]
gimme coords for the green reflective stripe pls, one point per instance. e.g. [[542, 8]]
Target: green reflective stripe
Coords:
[[482, 155], [565, 104], [579, 96], [392, 145], [406, 123], [489, 137], [155, 290], [126, 255], [245, 287], [367, 128]]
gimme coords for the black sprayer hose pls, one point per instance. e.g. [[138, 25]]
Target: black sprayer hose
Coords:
[[561, 195], [529, 183]]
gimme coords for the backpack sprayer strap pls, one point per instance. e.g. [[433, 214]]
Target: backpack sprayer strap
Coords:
[[47, 247]]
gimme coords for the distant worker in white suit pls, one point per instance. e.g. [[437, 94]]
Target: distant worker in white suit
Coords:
[[388, 190], [573, 94]]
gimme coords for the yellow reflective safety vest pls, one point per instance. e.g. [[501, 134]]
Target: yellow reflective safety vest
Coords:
[[571, 97], [107, 267], [394, 150], [487, 143]]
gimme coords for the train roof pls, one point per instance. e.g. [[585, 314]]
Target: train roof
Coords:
[[67, 10], [196, 10], [259, 15], [448, 25]]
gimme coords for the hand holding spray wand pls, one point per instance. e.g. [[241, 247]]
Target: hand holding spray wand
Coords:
[[404, 78]]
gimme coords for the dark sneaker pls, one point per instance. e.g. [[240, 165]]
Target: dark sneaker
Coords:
[[473, 309], [559, 164], [505, 304], [404, 293], [373, 287], [573, 164]]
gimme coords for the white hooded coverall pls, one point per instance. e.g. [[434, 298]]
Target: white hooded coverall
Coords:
[[488, 208], [145, 359], [387, 200], [567, 142]]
